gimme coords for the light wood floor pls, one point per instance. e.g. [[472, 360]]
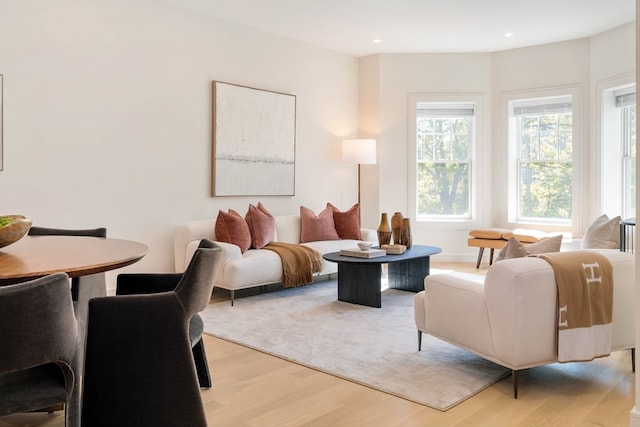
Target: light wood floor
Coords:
[[258, 390]]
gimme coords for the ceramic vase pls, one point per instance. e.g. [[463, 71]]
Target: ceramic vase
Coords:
[[396, 227], [405, 233], [384, 230]]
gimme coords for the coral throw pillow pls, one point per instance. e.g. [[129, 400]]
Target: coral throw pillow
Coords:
[[262, 225], [347, 223], [320, 227], [515, 249], [232, 228]]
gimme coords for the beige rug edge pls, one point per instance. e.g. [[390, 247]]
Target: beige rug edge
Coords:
[[393, 350], [362, 383]]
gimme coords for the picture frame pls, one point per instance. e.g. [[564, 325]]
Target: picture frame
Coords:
[[253, 141]]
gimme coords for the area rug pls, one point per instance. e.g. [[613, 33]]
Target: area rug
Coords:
[[375, 347]]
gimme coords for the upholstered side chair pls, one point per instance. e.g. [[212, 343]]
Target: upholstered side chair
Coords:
[[87, 232], [199, 295], [39, 350], [82, 288], [139, 367]]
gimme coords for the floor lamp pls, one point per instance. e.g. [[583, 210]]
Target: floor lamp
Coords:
[[360, 151]]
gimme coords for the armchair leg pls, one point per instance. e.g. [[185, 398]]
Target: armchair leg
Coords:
[[514, 375], [419, 340], [233, 295], [491, 256], [633, 359], [202, 368]]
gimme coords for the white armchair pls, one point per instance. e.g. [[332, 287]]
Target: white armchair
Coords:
[[511, 318]]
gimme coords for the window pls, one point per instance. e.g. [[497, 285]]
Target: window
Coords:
[[626, 103], [616, 154], [542, 138], [444, 137]]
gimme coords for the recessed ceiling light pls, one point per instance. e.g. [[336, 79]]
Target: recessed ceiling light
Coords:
[[508, 34], [377, 40]]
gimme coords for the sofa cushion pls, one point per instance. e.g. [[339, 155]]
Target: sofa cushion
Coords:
[[515, 249], [347, 223], [488, 233], [603, 233], [256, 267], [262, 226], [327, 246], [287, 228], [320, 227], [525, 235], [232, 228]]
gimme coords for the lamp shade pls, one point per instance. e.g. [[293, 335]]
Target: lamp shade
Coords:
[[361, 151]]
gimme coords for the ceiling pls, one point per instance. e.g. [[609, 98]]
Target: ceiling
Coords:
[[403, 26]]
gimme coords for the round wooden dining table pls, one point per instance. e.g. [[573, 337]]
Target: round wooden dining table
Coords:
[[37, 256]]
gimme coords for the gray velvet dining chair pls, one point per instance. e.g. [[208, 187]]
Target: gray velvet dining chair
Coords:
[[95, 283], [48, 231], [87, 232], [39, 350], [139, 364], [146, 283]]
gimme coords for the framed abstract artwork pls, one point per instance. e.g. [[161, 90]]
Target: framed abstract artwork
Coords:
[[253, 141]]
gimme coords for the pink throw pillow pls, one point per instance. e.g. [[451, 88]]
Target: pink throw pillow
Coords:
[[347, 223], [262, 225], [232, 228], [314, 228]]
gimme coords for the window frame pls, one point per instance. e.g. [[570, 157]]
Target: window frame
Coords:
[[474, 159], [609, 145], [629, 161], [510, 171]]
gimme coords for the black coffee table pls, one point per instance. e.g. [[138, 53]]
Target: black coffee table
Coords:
[[359, 279]]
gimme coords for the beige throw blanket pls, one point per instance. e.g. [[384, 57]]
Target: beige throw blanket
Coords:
[[299, 262], [585, 304]]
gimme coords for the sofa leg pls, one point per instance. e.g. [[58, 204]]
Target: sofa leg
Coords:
[[233, 295], [479, 257], [514, 375], [419, 340]]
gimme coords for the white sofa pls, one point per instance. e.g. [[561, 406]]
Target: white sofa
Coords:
[[511, 318], [256, 267]]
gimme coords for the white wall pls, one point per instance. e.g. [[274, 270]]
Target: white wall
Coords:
[[542, 67], [609, 67], [369, 123], [634, 416], [576, 62], [107, 116], [404, 74]]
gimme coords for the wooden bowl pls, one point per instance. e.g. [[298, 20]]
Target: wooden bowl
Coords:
[[15, 230]]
